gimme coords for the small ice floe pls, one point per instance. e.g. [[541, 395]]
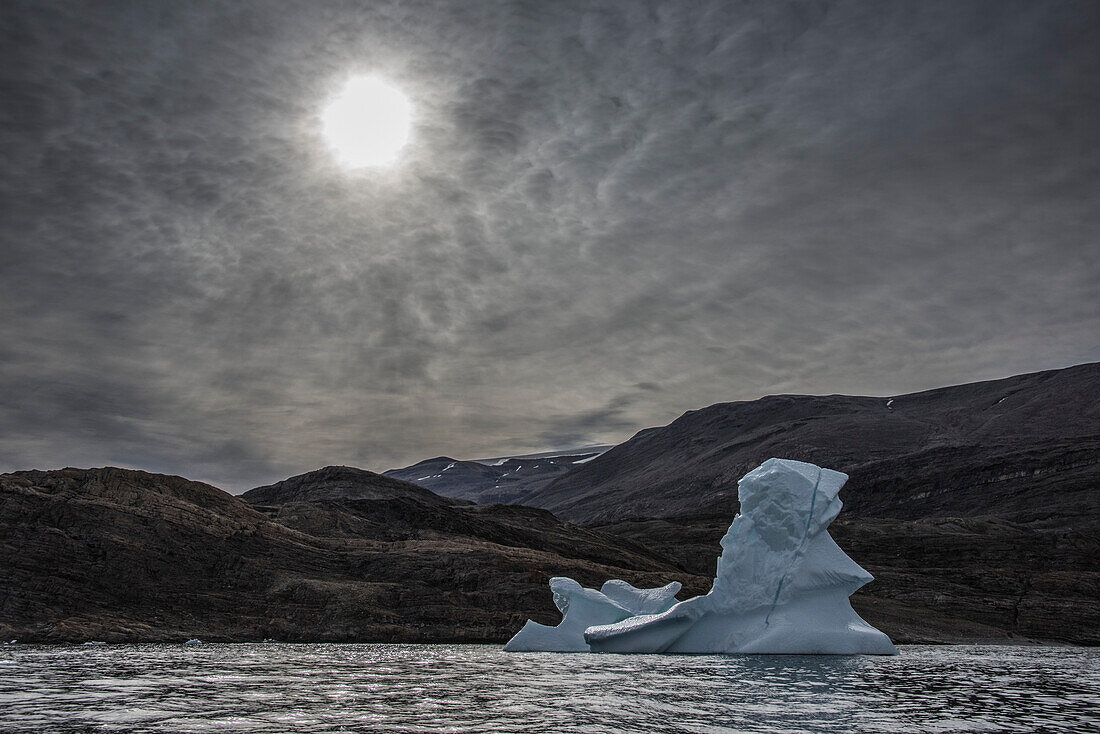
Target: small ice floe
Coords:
[[11, 642], [193, 641], [95, 642], [270, 639]]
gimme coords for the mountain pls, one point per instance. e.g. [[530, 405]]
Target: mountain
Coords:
[[336, 554], [975, 507], [504, 480], [345, 554], [1026, 448], [449, 477]]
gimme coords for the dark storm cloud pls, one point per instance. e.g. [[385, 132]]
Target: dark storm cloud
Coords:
[[608, 213]]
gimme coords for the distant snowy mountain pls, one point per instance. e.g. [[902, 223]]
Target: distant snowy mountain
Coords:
[[503, 480], [590, 451]]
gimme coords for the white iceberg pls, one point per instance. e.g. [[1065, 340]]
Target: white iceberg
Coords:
[[782, 585]]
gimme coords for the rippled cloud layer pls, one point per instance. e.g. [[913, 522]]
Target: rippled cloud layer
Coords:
[[607, 214]]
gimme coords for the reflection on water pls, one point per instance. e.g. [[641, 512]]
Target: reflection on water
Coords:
[[474, 688]]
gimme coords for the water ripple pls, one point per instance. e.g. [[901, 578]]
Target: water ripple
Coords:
[[476, 688]]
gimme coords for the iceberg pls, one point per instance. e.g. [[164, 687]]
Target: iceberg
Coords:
[[781, 586]]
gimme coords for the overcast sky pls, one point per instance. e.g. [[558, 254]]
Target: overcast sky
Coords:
[[608, 213]]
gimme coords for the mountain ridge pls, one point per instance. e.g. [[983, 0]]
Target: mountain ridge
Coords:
[[337, 482], [895, 450]]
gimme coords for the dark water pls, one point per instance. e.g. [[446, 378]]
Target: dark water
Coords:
[[476, 688]]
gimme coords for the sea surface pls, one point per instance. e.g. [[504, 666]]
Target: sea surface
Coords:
[[274, 687]]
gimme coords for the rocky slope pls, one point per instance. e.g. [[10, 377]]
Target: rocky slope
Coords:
[[1026, 449], [338, 554]]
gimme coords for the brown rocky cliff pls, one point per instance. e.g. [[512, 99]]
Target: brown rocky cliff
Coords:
[[115, 554]]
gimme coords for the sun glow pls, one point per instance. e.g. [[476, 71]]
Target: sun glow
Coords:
[[367, 123]]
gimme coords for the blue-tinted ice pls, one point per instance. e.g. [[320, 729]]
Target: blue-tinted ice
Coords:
[[782, 586]]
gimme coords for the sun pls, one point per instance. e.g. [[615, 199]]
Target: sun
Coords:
[[367, 123]]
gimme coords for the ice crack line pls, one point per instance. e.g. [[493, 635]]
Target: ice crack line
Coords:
[[813, 501], [797, 551]]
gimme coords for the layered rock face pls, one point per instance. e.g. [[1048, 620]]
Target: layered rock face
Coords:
[[339, 554]]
